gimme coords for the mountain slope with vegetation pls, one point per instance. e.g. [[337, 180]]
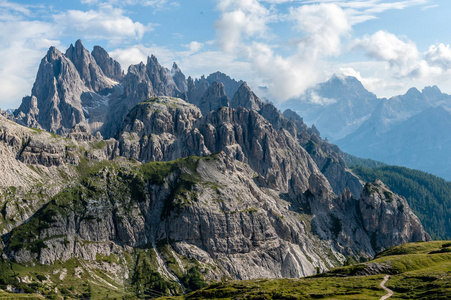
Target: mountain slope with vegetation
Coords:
[[416, 271]]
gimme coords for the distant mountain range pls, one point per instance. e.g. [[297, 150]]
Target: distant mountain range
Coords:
[[411, 130]]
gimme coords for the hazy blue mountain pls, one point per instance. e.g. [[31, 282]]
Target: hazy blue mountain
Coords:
[[420, 142], [337, 107], [410, 130]]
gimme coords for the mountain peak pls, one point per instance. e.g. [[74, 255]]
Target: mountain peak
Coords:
[[109, 66], [53, 54], [79, 44], [432, 92], [245, 97], [175, 67], [413, 92]]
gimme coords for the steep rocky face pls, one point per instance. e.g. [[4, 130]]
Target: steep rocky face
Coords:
[[395, 224], [109, 66], [244, 97], [213, 98], [210, 209], [142, 82], [242, 134], [157, 129], [36, 165], [230, 85], [179, 78], [161, 78], [328, 157], [55, 101], [90, 73], [196, 89]]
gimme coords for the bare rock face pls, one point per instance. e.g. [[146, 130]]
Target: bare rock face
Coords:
[[244, 97], [226, 221], [109, 66], [328, 157], [213, 98], [242, 134], [395, 223], [156, 130], [91, 74], [55, 101], [142, 82], [230, 85], [179, 78]]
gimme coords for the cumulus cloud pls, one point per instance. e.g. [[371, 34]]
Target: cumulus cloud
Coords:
[[24, 41], [107, 23], [138, 53], [440, 56], [241, 19], [319, 28], [323, 26], [194, 46], [404, 63], [402, 55]]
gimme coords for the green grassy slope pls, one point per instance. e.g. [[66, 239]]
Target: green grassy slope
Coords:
[[417, 271]]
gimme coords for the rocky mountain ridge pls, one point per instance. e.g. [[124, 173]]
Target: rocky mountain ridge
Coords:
[[195, 185]]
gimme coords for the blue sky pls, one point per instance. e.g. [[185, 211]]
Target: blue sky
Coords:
[[286, 45]]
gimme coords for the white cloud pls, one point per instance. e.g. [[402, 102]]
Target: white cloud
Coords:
[[107, 23], [24, 42], [138, 53], [440, 56], [320, 29], [194, 46], [323, 25], [157, 4], [240, 20], [401, 55]]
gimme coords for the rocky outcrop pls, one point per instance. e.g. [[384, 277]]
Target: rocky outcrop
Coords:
[[224, 220], [328, 157], [213, 98], [230, 85], [110, 67], [55, 101], [395, 223], [244, 97], [179, 78], [90, 73], [79, 87], [157, 130], [36, 165]]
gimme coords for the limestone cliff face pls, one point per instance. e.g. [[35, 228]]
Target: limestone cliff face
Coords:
[[165, 129], [55, 101], [110, 67], [88, 69], [328, 157], [36, 165], [213, 98], [157, 130], [395, 224], [211, 210]]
